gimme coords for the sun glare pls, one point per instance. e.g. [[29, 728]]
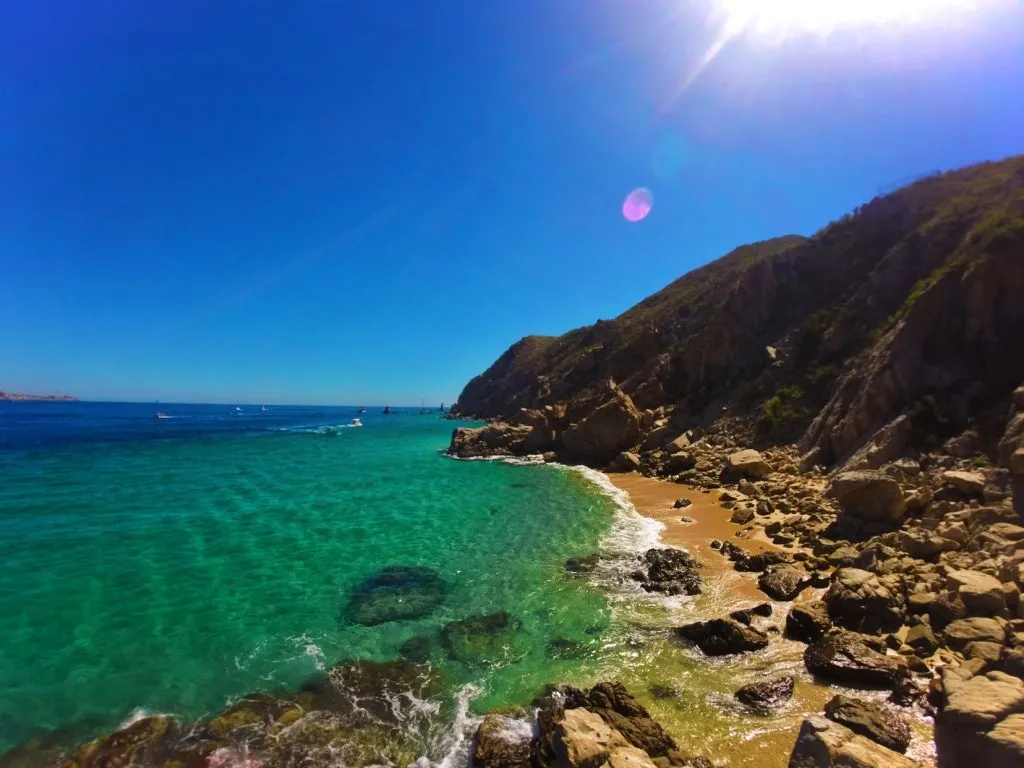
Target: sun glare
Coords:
[[784, 17]]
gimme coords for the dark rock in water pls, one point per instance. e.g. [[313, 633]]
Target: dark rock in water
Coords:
[[396, 593], [682, 504], [418, 648], [662, 691], [582, 564], [503, 742], [720, 637], [480, 639], [870, 719], [782, 581], [564, 648], [845, 658], [808, 621], [670, 572], [746, 615], [767, 694]]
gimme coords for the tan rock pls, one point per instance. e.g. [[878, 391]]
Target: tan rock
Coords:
[[1009, 740], [630, 757], [969, 483], [749, 463], [963, 631], [980, 592], [584, 740], [824, 744], [868, 495], [1017, 462], [984, 700]]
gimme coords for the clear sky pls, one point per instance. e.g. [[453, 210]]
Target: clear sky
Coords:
[[342, 202]]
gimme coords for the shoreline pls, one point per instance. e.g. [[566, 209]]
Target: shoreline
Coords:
[[721, 729]]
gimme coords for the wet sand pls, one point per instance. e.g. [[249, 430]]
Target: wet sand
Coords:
[[692, 694]]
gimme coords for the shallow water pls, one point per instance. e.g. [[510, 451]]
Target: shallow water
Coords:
[[172, 565]]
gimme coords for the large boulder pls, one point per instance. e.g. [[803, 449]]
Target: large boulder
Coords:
[[749, 463], [845, 658], [766, 694], [981, 722], [503, 742], [721, 637], [868, 495], [782, 581], [960, 633], [981, 593], [822, 743], [623, 712], [871, 719], [861, 601], [498, 439], [808, 621], [603, 434]]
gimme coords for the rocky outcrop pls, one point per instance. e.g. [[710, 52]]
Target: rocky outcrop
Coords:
[[822, 743], [721, 637], [808, 621], [600, 436]]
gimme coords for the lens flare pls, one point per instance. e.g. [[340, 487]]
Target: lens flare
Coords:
[[638, 204]]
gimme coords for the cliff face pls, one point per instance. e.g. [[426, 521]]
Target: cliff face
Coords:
[[912, 306]]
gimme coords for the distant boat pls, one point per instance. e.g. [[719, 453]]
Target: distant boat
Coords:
[[162, 415], [387, 410], [237, 409], [361, 409], [356, 423], [263, 407]]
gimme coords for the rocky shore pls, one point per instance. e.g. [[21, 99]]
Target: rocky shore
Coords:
[[920, 555]]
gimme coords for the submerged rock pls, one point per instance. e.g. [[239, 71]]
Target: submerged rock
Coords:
[[145, 742], [395, 593], [480, 639], [721, 637], [843, 657], [585, 564], [871, 719], [767, 694]]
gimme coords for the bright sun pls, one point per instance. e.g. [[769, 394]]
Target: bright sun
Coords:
[[782, 17]]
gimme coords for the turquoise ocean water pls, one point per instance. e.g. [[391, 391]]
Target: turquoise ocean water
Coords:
[[170, 565]]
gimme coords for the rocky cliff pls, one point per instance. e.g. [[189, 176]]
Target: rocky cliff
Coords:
[[894, 328]]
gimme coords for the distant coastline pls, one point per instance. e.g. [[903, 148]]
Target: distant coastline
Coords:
[[23, 396]]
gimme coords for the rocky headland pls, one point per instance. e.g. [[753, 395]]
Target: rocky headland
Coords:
[[855, 398]]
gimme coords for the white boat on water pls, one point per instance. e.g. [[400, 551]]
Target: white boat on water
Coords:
[[356, 423], [162, 415]]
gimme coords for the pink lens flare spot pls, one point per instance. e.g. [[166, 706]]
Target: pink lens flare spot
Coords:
[[638, 204]]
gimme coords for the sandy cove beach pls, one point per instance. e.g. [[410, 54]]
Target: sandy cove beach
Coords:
[[702, 714]]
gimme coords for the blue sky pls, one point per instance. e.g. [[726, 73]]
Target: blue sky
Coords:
[[331, 202]]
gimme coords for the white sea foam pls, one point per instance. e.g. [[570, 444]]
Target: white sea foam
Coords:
[[455, 744]]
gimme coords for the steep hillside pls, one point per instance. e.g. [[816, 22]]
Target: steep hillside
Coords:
[[911, 305]]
